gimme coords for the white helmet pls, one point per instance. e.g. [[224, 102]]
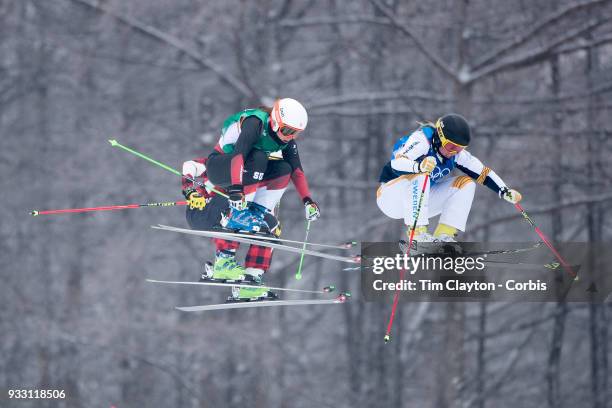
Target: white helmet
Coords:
[[288, 117]]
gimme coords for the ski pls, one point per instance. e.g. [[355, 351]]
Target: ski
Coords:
[[522, 265], [263, 303], [253, 241], [404, 245], [504, 251], [266, 237], [324, 291], [527, 265]]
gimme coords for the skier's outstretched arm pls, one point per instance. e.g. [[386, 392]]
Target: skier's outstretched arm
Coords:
[[292, 156], [474, 168]]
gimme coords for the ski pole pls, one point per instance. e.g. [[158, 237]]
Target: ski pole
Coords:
[[207, 186], [298, 274], [543, 237], [402, 271], [106, 208]]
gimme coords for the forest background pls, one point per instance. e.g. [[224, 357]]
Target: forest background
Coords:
[[534, 79]]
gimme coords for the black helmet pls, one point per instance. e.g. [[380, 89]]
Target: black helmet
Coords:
[[454, 128]]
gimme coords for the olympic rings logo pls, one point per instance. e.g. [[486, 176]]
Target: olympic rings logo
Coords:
[[439, 173]]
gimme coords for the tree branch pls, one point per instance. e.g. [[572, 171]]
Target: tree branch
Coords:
[[172, 371], [520, 40], [307, 22], [378, 96], [513, 357], [602, 40], [531, 57], [174, 42], [368, 111], [404, 30]]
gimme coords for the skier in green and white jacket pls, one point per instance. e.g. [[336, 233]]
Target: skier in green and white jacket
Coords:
[[241, 165]]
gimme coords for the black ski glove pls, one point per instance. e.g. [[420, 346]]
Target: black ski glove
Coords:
[[236, 198]]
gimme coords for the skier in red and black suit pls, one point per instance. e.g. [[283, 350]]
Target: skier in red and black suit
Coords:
[[255, 182]]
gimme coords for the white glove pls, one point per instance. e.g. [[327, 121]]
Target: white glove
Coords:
[[511, 196], [311, 209], [427, 164]]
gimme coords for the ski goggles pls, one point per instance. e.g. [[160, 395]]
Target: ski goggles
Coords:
[[448, 146], [284, 128], [287, 130]]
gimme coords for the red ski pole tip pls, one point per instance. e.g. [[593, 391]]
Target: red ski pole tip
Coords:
[[344, 296], [387, 338]]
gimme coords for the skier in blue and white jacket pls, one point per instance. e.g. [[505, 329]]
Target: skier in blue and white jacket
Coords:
[[436, 149]]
